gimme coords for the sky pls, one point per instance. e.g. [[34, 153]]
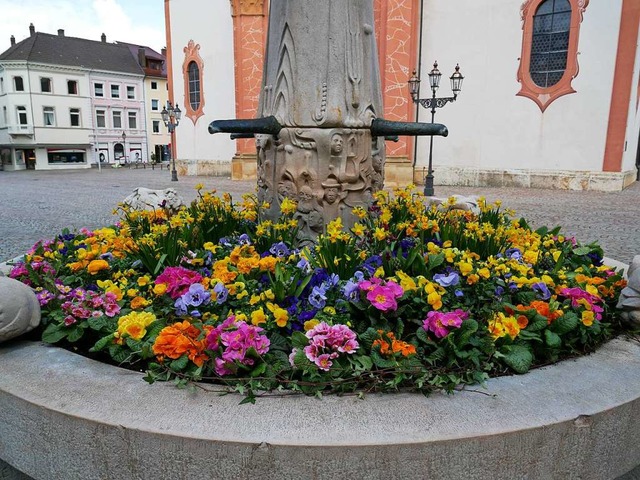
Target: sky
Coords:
[[133, 21]]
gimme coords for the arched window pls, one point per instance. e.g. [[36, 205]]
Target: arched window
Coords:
[[192, 68], [194, 85], [549, 60]]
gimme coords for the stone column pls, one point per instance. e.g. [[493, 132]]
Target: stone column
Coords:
[[322, 84], [249, 33], [398, 32]]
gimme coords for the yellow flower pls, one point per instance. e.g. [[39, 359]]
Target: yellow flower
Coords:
[[160, 288], [358, 230], [288, 206], [144, 280], [484, 273], [465, 268], [258, 316], [281, 316], [199, 186], [380, 234], [310, 324], [329, 310], [134, 325], [139, 302], [587, 318]]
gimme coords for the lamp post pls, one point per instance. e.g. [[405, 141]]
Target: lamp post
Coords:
[[124, 146], [171, 119], [433, 103]]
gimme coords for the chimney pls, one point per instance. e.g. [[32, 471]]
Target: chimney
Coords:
[[164, 51], [13, 40], [32, 30], [103, 37], [142, 57], [60, 32]]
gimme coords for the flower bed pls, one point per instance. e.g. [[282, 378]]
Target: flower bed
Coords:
[[411, 297]]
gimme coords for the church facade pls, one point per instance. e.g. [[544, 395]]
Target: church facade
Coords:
[[549, 99]]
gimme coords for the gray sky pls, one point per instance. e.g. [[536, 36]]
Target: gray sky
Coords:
[[133, 21]]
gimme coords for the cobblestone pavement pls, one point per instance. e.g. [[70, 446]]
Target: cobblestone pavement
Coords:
[[39, 204]]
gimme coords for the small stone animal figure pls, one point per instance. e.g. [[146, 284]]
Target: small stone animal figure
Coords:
[[629, 300], [460, 203], [19, 309], [147, 199]]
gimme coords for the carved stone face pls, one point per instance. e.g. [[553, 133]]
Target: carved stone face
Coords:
[[286, 190], [331, 194], [336, 144]]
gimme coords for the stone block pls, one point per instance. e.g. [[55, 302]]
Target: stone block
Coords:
[[19, 309]]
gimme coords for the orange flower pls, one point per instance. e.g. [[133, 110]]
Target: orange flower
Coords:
[[179, 339], [139, 302], [389, 345], [97, 265]]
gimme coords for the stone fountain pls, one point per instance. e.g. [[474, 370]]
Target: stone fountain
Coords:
[[319, 132]]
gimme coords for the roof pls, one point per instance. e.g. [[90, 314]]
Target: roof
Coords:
[[73, 52], [150, 54]]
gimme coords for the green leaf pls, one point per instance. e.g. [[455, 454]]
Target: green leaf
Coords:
[[421, 334], [97, 323], [251, 400], [119, 353], [519, 358], [159, 264], [103, 342], [299, 340], [54, 333], [382, 362], [75, 334], [435, 260], [179, 364], [278, 342], [537, 322], [581, 251], [552, 339], [368, 337], [565, 323], [259, 370]]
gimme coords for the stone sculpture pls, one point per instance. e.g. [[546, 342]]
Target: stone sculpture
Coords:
[[629, 300], [459, 203], [319, 132], [19, 309], [147, 199]]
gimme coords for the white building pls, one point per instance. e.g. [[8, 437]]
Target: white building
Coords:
[[550, 96], [67, 102]]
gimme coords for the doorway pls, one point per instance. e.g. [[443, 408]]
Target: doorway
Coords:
[[30, 159], [118, 153]]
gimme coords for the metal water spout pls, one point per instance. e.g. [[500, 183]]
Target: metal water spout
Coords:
[[320, 132]]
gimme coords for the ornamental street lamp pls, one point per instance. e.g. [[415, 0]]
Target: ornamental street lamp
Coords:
[[433, 103], [124, 146], [171, 119]]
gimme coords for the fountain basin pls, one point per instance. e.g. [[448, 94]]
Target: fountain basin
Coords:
[[64, 416]]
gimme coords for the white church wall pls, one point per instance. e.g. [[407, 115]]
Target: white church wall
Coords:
[[209, 24], [490, 127]]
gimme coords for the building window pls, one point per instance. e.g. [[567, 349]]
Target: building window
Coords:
[[549, 60], [194, 86], [45, 85], [18, 84], [117, 119], [115, 91], [101, 119], [65, 156], [22, 115], [156, 126], [1, 85], [72, 87], [74, 117], [98, 89], [192, 68], [131, 93], [133, 120], [49, 117], [154, 85], [154, 105], [4, 115]]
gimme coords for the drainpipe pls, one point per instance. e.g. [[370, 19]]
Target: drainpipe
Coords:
[[415, 142]]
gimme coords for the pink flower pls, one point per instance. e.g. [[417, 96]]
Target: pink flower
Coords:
[[441, 323], [178, 280], [382, 298], [326, 343]]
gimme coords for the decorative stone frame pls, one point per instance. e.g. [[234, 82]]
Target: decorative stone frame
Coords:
[[192, 54], [544, 96]]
